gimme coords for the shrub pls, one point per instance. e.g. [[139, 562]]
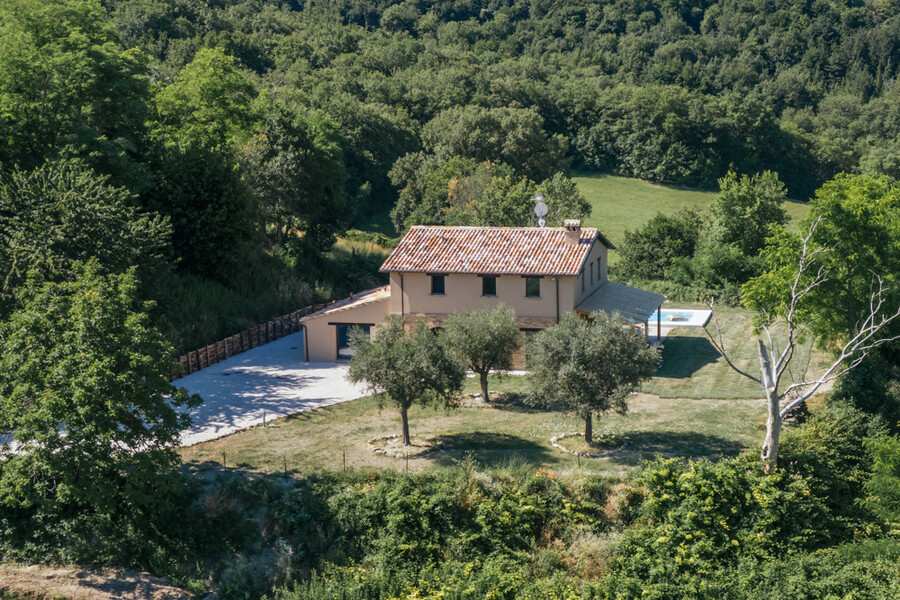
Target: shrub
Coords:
[[830, 453], [703, 517], [649, 251]]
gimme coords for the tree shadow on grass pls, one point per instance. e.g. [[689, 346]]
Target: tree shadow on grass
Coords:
[[516, 402], [491, 449], [684, 356], [646, 445]]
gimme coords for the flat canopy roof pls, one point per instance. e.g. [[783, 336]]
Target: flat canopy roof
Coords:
[[633, 304]]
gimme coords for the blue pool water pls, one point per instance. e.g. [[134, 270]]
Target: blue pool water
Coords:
[[672, 316]]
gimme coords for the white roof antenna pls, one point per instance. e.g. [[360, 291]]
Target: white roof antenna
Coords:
[[540, 209]]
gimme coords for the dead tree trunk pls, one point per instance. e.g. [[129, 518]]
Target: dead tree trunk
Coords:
[[871, 333], [773, 422]]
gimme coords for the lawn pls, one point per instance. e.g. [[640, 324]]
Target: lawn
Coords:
[[692, 368], [620, 203], [695, 406], [325, 438]]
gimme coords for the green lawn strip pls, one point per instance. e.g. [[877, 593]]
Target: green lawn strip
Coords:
[[695, 406], [692, 368]]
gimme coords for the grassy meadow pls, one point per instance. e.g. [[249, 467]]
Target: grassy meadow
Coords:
[[618, 203], [621, 203]]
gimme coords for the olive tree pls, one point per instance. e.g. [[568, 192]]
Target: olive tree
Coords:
[[404, 367], [483, 340], [589, 366]]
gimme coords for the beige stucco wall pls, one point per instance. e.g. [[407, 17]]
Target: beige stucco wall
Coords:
[[599, 251], [463, 293], [320, 338]]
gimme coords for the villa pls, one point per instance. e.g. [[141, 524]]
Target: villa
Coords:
[[542, 272]]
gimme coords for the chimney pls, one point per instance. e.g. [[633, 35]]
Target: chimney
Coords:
[[573, 231]]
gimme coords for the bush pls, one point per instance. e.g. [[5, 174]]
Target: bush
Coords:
[[830, 453], [704, 517], [883, 488], [866, 571], [677, 292], [872, 387], [649, 252]]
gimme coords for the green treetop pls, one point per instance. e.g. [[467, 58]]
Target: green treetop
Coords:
[[405, 367], [589, 366], [484, 340]]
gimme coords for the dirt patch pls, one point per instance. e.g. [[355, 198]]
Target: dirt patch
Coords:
[[392, 446], [76, 583]]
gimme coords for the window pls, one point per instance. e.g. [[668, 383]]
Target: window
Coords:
[[437, 285], [532, 287], [582, 280], [592, 273], [599, 270], [488, 286]]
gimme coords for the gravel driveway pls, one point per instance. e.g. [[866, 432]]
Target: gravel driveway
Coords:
[[269, 380]]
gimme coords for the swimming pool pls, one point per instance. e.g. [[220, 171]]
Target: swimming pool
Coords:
[[681, 317]]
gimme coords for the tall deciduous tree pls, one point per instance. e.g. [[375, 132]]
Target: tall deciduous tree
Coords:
[[484, 340], [293, 168], [200, 117], [515, 136], [62, 212], [67, 89], [837, 283], [589, 366], [405, 367], [84, 387], [747, 211]]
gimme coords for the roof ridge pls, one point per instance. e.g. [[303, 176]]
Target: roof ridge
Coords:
[[501, 227]]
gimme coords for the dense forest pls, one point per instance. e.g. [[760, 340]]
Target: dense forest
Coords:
[[238, 124], [172, 170]]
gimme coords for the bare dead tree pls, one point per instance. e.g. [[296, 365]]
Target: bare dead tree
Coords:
[[775, 359]]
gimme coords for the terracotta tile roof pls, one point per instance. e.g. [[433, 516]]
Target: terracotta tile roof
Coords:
[[491, 251], [358, 299]]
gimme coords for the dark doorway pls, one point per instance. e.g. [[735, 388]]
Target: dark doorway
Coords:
[[343, 337]]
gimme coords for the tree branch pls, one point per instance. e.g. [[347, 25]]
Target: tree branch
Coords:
[[720, 346]]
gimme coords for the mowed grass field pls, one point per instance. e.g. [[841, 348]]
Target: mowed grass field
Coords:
[[620, 203], [330, 438]]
